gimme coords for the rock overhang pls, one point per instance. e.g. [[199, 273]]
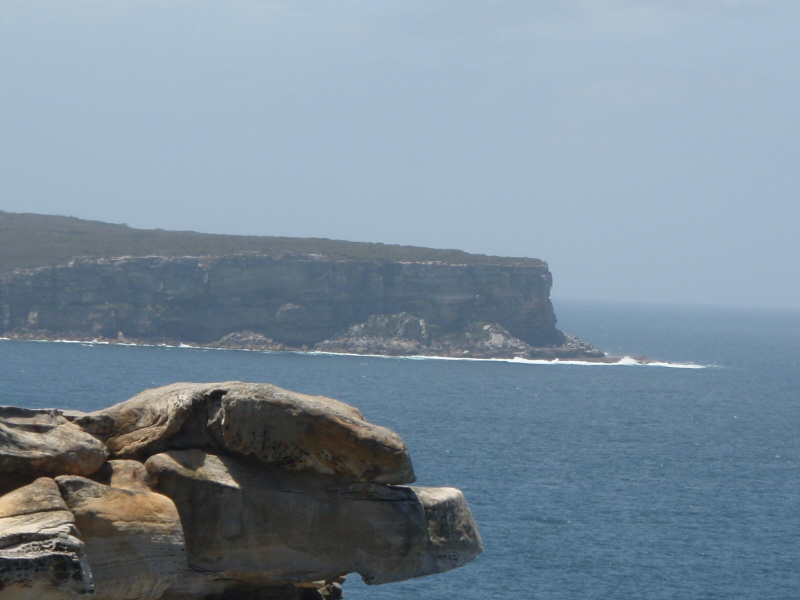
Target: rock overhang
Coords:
[[227, 488]]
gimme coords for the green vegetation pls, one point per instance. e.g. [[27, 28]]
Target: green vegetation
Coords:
[[30, 240]]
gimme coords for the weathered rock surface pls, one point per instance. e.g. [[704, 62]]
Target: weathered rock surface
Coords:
[[133, 536], [42, 442], [297, 432], [452, 536], [248, 491], [282, 428], [264, 527], [41, 557]]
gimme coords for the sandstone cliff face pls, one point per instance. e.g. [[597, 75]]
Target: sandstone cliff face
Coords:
[[294, 299]]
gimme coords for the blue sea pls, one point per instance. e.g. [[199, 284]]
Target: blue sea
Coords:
[[586, 481]]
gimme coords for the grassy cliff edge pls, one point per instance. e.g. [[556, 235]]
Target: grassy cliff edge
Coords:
[[31, 240]]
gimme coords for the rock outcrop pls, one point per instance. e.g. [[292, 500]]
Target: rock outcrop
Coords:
[[133, 536], [237, 491], [41, 554], [36, 443], [261, 526], [275, 426], [406, 335], [291, 299]]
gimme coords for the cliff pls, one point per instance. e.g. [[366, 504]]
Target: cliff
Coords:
[[271, 293], [293, 299]]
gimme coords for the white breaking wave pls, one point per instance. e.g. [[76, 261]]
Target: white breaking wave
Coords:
[[627, 360], [624, 361]]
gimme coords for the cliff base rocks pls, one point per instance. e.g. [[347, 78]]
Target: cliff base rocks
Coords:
[[406, 335]]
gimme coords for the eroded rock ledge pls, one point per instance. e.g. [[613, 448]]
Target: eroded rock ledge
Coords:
[[223, 490]]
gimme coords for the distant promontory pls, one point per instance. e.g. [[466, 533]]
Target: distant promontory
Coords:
[[66, 278]]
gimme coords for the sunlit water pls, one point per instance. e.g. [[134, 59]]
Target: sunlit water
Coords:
[[623, 482]]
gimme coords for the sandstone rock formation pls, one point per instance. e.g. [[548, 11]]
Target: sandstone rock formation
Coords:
[[41, 555], [134, 538], [246, 491], [263, 526], [282, 428], [35, 443]]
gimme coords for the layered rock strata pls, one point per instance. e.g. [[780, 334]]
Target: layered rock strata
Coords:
[[225, 490], [133, 536], [41, 553], [294, 300]]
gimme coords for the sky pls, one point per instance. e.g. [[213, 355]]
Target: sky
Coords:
[[648, 150]]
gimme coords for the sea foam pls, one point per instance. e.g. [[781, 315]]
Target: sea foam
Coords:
[[624, 361]]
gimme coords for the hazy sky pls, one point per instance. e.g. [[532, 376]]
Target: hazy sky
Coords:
[[648, 150]]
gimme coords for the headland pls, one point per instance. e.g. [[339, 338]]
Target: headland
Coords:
[[254, 293]]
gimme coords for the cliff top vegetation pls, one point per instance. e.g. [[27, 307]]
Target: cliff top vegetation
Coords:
[[30, 240]]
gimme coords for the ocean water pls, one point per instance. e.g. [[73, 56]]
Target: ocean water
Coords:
[[610, 482]]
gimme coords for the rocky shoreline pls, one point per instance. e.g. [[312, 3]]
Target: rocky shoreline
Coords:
[[216, 491], [401, 334], [295, 302], [246, 341], [509, 348]]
